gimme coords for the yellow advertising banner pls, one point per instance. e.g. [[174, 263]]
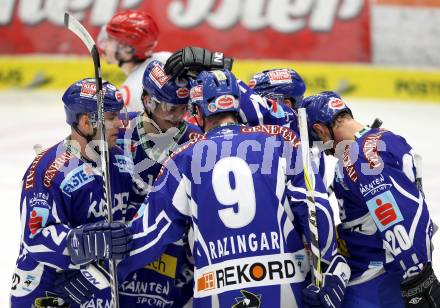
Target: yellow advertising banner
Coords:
[[350, 80]]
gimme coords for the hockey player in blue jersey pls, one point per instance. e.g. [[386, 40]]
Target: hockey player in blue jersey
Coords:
[[237, 186], [154, 134], [283, 85], [283, 92], [386, 228], [62, 208], [149, 139]]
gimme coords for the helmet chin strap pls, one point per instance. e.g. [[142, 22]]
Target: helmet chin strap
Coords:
[[330, 151], [88, 138], [194, 113]]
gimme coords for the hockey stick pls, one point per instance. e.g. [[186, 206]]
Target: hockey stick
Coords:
[[309, 179], [76, 27]]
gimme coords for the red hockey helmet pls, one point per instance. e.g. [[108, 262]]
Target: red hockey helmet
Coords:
[[136, 29]]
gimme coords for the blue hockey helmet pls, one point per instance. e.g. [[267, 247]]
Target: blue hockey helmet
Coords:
[[215, 91], [324, 107], [80, 97], [275, 82], [163, 87]]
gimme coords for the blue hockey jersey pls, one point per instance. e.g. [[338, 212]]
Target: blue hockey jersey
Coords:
[[257, 110], [166, 282], [385, 221], [243, 191], [60, 191]]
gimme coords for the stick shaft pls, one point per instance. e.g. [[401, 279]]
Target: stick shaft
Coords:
[[76, 27]]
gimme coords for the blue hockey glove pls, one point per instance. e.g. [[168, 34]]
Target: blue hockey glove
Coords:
[[330, 295], [99, 241], [79, 286]]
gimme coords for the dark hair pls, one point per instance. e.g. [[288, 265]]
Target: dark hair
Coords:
[[343, 115], [222, 115]]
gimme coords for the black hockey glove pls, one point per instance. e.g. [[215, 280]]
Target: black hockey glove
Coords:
[[421, 291], [79, 286], [193, 60]]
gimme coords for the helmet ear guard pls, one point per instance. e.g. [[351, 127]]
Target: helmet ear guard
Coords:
[[215, 92], [80, 97]]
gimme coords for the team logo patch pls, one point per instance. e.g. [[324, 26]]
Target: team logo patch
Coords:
[[375, 186], [88, 89], [158, 76], [39, 199], [182, 92], [248, 299], [384, 210], [212, 107], [252, 83], [225, 102], [279, 76], [196, 93], [76, 179], [118, 96], [336, 103], [25, 282], [415, 300], [37, 220]]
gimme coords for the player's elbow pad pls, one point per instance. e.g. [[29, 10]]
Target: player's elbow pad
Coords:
[[422, 290]]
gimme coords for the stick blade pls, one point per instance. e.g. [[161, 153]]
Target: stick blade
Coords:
[[76, 27]]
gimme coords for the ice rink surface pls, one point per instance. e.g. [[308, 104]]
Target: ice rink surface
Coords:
[[31, 118]]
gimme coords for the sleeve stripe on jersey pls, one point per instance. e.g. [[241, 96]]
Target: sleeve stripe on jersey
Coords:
[[280, 191], [330, 228], [419, 201], [303, 191], [180, 199], [37, 248], [162, 216]]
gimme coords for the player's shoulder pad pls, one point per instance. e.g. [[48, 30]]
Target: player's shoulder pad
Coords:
[[193, 129], [161, 56], [383, 143], [46, 166], [182, 150], [283, 132]]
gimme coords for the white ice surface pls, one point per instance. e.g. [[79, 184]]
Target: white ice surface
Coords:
[[38, 118]]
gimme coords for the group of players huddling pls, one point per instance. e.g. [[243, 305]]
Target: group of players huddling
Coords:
[[209, 193]]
